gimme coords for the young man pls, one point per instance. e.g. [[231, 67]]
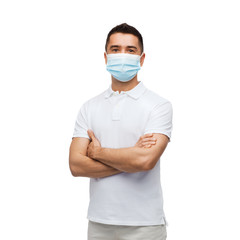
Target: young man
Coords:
[[118, 139]]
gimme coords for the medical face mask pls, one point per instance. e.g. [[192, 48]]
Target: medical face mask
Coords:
[[123, 66]]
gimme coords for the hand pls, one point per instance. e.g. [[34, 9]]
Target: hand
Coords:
[[146, 141], [93, 146]]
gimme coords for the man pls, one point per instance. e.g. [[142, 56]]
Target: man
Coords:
[[118, 139]]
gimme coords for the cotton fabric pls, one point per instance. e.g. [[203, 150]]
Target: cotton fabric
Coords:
[[118, 120]]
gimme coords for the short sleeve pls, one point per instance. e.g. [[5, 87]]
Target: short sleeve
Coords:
[[160, 119], [81, 124]]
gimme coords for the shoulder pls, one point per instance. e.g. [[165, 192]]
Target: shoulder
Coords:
[[154, 99], [94, 100]]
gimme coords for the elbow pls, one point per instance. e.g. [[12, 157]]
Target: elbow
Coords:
[[149, 163], [75, 171], [145, 164]]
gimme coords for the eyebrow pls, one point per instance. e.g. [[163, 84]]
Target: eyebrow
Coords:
[[116, 46], [131, 47]]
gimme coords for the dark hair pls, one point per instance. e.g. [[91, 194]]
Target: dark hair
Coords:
[[125, 28]]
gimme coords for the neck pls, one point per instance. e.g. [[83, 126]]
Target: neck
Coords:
[[124, 86]]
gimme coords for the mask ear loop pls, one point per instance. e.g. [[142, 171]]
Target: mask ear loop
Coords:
[[106, 56], [141, 54], [140, 57]]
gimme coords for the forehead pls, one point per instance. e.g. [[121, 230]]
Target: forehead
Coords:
[[123, 39]]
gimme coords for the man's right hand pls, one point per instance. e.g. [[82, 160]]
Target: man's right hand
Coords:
[[146, 141]]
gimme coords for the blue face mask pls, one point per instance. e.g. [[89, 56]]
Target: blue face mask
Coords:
[[123, 66]]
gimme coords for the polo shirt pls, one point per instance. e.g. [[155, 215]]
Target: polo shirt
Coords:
[[118, 120]]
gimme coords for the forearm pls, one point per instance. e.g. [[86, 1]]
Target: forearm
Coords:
[[132, 159], [83, 166]]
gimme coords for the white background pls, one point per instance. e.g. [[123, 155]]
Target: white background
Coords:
[[51, 61]]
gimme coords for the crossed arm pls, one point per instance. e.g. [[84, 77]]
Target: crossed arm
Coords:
[[89, 159], [81, 165]]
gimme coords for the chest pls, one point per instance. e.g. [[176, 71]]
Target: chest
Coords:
[[118, 122]]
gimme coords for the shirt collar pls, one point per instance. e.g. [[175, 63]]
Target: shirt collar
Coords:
[[135, 92]]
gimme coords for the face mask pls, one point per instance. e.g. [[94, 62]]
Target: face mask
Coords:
[[123, 66]]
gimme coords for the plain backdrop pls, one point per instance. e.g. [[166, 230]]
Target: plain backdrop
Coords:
[[51, 61]]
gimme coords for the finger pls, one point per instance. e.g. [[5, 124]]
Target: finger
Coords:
[[147, 146], [148, 143], [148, 134], [149, 139], [90, 134]]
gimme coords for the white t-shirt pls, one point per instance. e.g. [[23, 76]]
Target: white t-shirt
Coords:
[[118, 121]]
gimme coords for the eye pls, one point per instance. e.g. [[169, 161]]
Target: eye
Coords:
[[115, 50], [131, 50]]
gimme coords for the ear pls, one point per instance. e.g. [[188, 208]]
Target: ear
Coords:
[[142, 59], [105, 56]]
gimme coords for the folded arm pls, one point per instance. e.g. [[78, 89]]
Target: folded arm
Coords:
[[84, 166], [131, 159]]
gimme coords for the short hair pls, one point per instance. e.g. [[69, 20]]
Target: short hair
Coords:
[[125, 28]]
